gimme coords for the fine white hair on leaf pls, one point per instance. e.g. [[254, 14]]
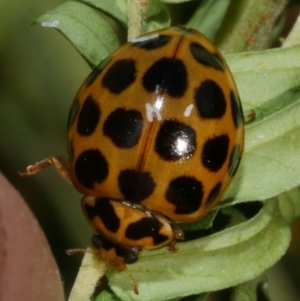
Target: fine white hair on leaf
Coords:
[[50, 24]]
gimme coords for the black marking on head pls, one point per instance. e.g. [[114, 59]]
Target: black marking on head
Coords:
[[152, 43], [146, 227], [104, 210], [236, 109], [175, 141], [119, 76], [213, 194], [91, 167], [186, 194], [135, 186], [124, 127], [104, 242], [234, 160], [130, 254], [97, 71], [166, 75], [100, 241], [215, 152], [204, 57], [97, 240], [73, 113], [88, 117], [210, 100]]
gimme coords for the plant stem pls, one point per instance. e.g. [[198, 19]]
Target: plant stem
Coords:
[[135, 11]]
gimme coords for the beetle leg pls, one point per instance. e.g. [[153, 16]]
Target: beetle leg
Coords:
[[54, 162]]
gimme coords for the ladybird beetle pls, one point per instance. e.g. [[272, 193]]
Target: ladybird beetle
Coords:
[[155, 134]]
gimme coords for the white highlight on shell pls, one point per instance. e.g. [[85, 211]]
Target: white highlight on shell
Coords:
[[146, 38], [152, 111], [159, 102], [188, 110], [51, 24], [181, 146]]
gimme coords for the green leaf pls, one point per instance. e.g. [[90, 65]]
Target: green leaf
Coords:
[[107, 295], [222, 260], [208, 17], [117, 9], [243, 292], [157, 16], [86, 29], [290, 204], [234, 213], [268, 83]]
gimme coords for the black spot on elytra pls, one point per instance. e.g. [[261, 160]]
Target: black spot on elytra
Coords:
[[88, 117], [153, 42], [210, 100], [236, 109], [119, 76], [91, 167], [104, 210], [234, 160], [204, 57], [175, 140], [146, 227], [73, 113], [186, 194], [213, 194], [215, 152], [124, 127], [97, 71], [166, 75], [135, 186]]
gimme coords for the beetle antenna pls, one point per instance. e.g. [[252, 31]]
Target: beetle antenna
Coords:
[[81, 250], [135, 288]]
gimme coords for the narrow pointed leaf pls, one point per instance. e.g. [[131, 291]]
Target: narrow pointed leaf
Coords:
[[208, 17], [268, 83], [86, 29], [117, 9], [157, 16]]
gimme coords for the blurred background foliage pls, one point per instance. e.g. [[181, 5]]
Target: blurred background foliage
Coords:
[[39, 76]]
